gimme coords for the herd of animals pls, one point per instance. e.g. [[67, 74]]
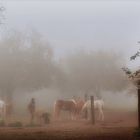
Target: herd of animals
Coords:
[[76, 108]]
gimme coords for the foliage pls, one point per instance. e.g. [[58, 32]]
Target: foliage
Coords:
[[25, 62], [135, 55], [134, 76], [92, 72]]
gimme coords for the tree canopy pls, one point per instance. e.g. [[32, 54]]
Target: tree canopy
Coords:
[[133, 76], [93, 72], [25, 62]]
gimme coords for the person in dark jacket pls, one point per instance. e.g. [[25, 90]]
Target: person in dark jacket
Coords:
[[32, 109]]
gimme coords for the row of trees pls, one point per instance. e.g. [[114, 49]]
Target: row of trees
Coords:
[[93, 72], [27, 63]]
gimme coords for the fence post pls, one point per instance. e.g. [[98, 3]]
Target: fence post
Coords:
[[92, 110], [86, 112], [139, 108]]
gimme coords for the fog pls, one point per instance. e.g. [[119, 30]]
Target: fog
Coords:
[[29, 69], [45, 100], [58, 53]]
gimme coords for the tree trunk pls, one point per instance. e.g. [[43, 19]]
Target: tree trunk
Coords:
[[139, 108], [86, 113]]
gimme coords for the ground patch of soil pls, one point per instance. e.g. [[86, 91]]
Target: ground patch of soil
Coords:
[[117, 126]]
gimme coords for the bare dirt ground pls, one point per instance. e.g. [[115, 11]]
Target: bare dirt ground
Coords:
[[117, 126]]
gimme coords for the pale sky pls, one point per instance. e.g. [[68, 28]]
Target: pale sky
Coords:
[[69, 25]]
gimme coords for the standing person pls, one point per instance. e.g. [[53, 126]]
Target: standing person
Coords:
[[32, 108]]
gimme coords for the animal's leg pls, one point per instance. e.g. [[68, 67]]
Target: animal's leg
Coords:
[[75, 114], [56, 112], [72, 114], [88, 114], [59, 118], [101, 115]]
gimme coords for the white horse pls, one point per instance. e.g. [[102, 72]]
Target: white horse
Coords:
[[2, 109], [98, 105]]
